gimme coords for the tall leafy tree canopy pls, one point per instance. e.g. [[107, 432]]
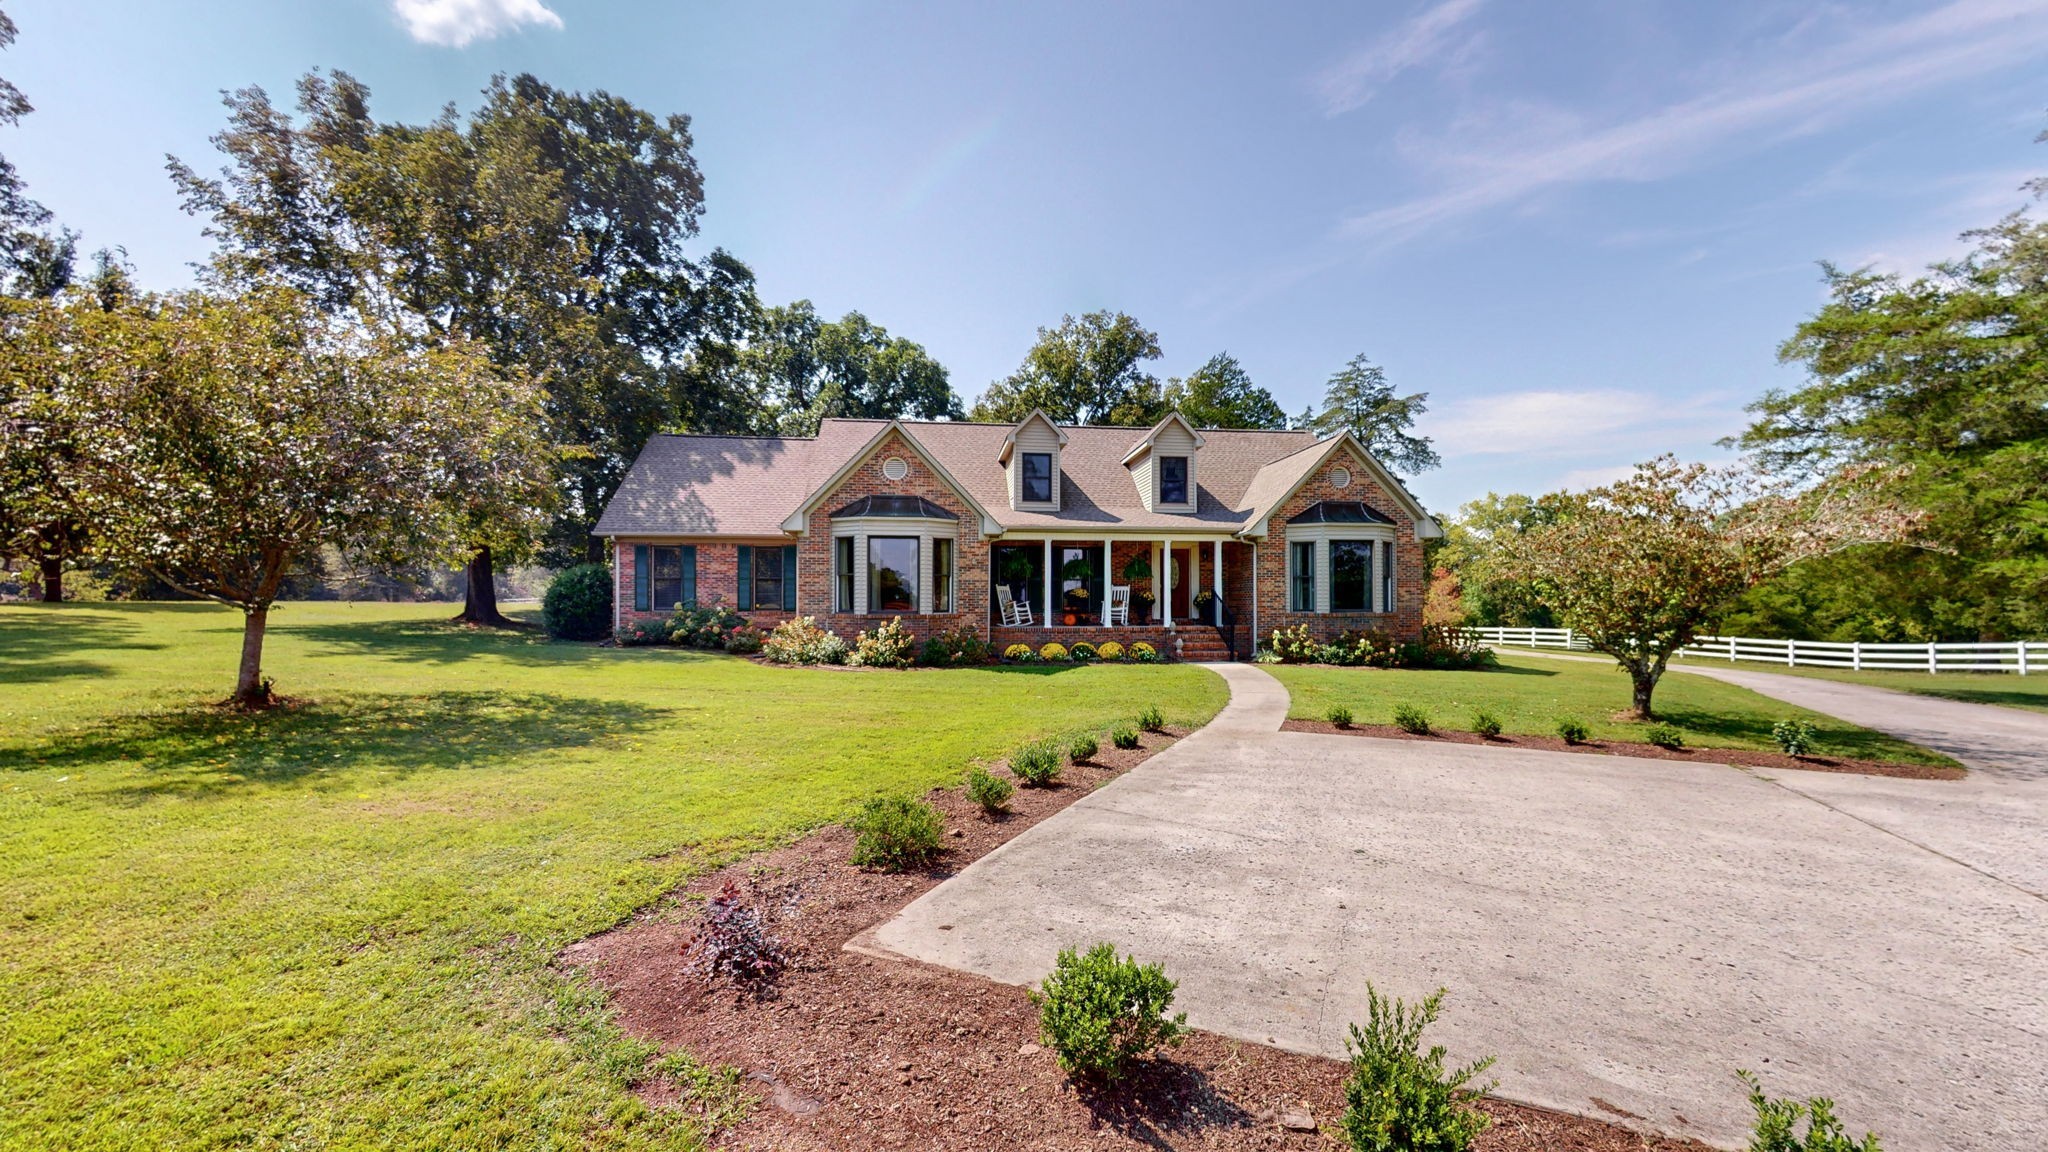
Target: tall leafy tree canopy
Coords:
[[1937, 387], [1359, 399], [1220, 394], [1088, 370], [549, 227], [804, 370]]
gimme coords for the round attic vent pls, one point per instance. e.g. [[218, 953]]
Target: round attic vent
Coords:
[[894, 468], [1340, 477]]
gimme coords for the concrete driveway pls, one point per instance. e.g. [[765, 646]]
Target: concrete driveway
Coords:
[[1622, 933]]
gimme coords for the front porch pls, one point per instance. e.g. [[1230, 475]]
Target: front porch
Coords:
[[1186, 596]]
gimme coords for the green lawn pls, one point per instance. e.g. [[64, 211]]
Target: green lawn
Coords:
[[2003, 688], [1529, 693], [332, 927]]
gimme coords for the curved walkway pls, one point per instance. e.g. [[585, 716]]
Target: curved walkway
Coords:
[[1622, 933]]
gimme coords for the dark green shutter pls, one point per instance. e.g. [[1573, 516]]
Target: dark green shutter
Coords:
[[789, 578], [640, 575], [690, 574], [746, 589]]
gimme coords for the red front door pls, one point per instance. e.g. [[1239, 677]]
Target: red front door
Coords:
[[1183, 569]]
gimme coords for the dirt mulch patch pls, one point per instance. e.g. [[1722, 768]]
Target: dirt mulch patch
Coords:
[[1747, 758], [853, 1051]]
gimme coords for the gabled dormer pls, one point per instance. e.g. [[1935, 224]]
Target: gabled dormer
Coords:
[[1031, 463], [1163, 465]]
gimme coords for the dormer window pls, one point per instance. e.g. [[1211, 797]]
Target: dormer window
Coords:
[[1173, 479], [1037, 477]]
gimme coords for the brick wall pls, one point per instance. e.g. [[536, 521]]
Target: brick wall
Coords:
[[718, 575], [1406, 618]]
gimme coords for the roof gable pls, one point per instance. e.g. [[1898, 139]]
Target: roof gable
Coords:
[[1152, 436]]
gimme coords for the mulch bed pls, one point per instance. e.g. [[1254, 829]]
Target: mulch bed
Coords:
[[1744, 757], [854, 1051]]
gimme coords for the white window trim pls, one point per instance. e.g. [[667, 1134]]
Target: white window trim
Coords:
[[1321, 535], [924, 530]]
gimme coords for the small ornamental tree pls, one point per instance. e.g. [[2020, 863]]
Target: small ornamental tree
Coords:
[[1640, 566], [221, 440]]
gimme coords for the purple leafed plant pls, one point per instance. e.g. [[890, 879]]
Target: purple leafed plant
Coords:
[[733, 940]]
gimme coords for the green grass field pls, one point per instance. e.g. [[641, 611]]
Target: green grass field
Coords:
[[333, 926], [1529, 693], [2003, 688]]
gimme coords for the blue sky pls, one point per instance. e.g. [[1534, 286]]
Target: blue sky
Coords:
[[1582, 227]]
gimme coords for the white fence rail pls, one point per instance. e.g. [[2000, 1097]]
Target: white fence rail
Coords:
[[2019, 657]]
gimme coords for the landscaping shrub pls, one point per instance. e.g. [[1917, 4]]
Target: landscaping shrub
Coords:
[[800, 641], [1573, 730], [1399, 1098], [1776, 1119], [1486, 723], [643, 633], [1444, 646], [989, 790], [1110, 650], [1410, 719], [733, 941], [1296, 645], [1151, 720], [1665, 736], [744, 640], [578, 603], [1098, 1012], [1083, 749], [955, 646], [1053, 653], [1145, 653], [889, 646], [1036, 764], [703, 626], [1020, 654], [1340, 716], [894, 832], [1367, 647], [1794, 737], [1123, 736], [1082, 651]]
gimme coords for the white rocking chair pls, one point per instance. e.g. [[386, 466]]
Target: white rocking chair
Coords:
[[1120, 604], [1015, 614]]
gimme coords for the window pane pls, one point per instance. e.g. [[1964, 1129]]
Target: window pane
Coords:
[[1038, 476], [1350, 575], [768, 578], [843, 562], [1386, 575], [1173, 479], [668, 578], [1304, 577], [942, 575], [892, 573]]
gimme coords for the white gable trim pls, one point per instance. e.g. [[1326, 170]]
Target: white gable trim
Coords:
[[1145, 445], [1010, 441], [798, 522], [1426, 527]]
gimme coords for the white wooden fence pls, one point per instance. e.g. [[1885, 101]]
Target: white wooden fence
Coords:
[[2019, 657]]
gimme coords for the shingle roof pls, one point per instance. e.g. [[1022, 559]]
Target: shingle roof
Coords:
[[749, 485], [907, 507], [1339, 512]]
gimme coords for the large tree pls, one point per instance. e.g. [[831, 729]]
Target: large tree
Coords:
[[1220, 394], [1473, 546], [548, 227], [804, 369], [1360, 400], [1639, 566], [1088, 370], [219, 443], [1938, 385]]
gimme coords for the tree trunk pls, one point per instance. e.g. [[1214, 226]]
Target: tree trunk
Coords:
[[250, 690], [1645, 683], [480, 593], [53, 575]]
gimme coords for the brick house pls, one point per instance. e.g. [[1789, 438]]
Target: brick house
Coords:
[[1213, 536]]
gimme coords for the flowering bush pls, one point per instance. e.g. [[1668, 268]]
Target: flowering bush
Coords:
[[1296, 645], [700, 626], [643, 633], [1082, 651], [1020, 653], [1110, 650], [800, 641], [1052, 652], [955, 646], [744, 640], [889, 646], [1144, 653]]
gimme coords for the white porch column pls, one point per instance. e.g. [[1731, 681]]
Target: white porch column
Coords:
[[1045, 613], [1107, 580], [1166, 583]]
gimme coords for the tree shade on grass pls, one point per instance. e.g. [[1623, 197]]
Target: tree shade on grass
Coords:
[[1529, 693], [335, 924]]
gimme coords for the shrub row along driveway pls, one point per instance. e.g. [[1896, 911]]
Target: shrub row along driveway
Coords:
[[1623, 933]]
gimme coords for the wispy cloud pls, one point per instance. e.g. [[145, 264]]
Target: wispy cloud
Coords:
[[1885, 64], [1545, 422], [456, 23], [1429, 36]]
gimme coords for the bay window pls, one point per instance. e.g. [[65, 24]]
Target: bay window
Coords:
[[892, 574]]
